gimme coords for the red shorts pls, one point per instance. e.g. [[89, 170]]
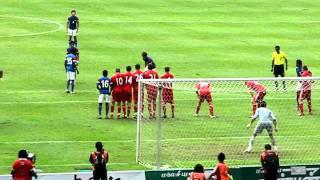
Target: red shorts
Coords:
[[117, 96], [167, 96], [205, 97], [305, 94], [152, 93], [127, 96], [259, 96]]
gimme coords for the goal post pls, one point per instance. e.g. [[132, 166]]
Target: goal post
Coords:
[[185, 140]]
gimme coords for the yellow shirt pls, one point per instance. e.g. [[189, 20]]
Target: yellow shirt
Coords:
[[279, 59]]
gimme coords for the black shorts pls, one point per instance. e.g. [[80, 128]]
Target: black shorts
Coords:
[[278, 70], [100, 175], [270, 176]]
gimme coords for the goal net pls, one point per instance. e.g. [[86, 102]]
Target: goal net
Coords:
[[188, 139]]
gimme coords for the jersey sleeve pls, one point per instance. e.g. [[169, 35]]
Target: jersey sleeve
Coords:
[[256, 114], [273, 117]]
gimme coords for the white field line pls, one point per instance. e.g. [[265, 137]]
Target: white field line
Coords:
[[92, 101], [59, 26], [201, 21], [148, 140]]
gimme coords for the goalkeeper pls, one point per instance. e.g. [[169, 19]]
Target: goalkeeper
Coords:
[[267, 121]]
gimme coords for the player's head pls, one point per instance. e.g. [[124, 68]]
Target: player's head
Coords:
[[144, 54], [117, 70], [167, 69], [73, 12], [262, 103], [221, 157], [137, 66], [198, 168], [150, 66], [299, 62], [128, 68], [277, 48], [249, 84], [267, 147], [305, 68], [22, 153], [105, 73], [99, 146]]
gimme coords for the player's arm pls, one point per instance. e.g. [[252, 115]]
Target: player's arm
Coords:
[[286, 61], [253, 118], [272, 64], [67, 25], [214, 172], [98, 85], [78, 25], [274, 121], [65, 65], [75, 67]]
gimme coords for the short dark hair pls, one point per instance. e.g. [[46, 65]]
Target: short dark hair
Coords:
[[105, 73], [99, 146], [73, 11], [144, 54], [267, 147], [150, 66], [277, 47], [298, 62], [221, 157], [22, 153], [262, 103], [305, 68], [198, 168], [117, 69], [167, 69], [128, 68], [137, 66]]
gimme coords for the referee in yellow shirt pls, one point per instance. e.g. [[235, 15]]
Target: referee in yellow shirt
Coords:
[[279, 58]]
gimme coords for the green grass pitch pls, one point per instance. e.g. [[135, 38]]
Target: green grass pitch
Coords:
[[206, 38]]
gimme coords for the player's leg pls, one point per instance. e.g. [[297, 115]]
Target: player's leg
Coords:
[[211, 109], [129, 103], [276, 75], [112, 107], [100, 101], [172, 109], [269, 128], [257, 131], [164, 108], [119, 108], [301, 97], [135, 102], [171, 101], [124, 108], [201, 99], [68, 83], [107, 99], [154, 106], [75, 37], [309, 101], [297, 100], [72, 86], [283, 82]]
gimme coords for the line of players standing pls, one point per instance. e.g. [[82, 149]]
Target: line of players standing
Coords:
[[123, 87]]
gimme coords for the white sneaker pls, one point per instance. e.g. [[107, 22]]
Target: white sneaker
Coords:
[[214, 116], [196, 115], [248, 150]]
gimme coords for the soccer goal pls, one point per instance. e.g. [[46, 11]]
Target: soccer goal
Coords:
[[189, 137]]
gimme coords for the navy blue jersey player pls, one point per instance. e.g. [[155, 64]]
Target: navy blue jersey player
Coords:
[[71, 70], [104, 87]]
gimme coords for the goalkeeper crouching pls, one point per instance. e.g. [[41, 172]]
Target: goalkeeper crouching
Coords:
[[267, 121]]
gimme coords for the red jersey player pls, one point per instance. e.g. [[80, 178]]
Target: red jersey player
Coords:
[[138, 74], [167, 92], [204, 94], [117, 86], [127, 91], [151, 91], [305, 92], [257, 91]]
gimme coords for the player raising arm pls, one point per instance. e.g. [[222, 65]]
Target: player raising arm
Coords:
[[305, 92], [257, 91], [71, 69], [267, 121], [204, 94], [167, 93], [127, 92], [117, 84], [151, 91], [138, 74], [104, 87]]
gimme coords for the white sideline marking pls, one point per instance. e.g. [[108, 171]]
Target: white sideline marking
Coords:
[[197, 22], [71, 165], [60, 26], [164, 140]]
